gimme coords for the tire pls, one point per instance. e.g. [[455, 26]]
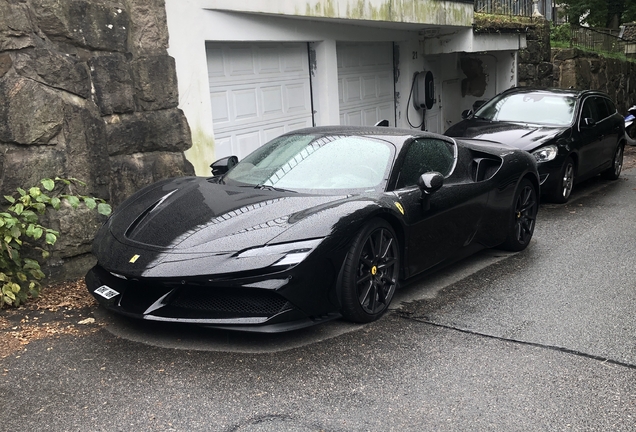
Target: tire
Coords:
[[370, 273], [523, 216], [614, 172], [561, 194]]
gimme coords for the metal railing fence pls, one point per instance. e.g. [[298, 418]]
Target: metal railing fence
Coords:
[[605, 40], [505, 7]]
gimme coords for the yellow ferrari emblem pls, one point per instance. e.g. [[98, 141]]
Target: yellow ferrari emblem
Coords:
[[134, 258], [399, 207], [374, 270]]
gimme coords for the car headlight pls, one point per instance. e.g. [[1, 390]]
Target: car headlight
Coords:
[[292, 253], [545, 154]]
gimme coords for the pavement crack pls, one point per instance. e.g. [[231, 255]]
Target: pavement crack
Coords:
[[522, 342]]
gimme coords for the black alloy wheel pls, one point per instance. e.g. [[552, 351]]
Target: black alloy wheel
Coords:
[[614, 172], [524, 214], [561, 194], [370, 273]]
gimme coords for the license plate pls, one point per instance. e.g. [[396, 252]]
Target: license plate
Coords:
[[106, 292]]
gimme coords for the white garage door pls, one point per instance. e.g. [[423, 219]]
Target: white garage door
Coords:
[[258, 92], [365, 83]]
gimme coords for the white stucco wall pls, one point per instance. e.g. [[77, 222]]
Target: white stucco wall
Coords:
[[437, 12], [193, 22]]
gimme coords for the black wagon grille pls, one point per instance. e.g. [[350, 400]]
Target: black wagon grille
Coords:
[[241, 302]]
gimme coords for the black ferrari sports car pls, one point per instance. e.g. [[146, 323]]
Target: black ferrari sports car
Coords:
[[316, 224]]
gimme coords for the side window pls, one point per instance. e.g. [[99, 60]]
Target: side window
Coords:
[[610, 106], [589, 110], [601, 106], [425, 155]]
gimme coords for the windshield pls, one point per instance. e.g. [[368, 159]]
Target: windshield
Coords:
[[316, 163], [540, 108]]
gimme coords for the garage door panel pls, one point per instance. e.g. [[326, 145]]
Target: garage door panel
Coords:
[[370, 116], [296, 61], [272, 132], [385, 86], [272, 100], [247, 142], [216, 63], [220, 106], [295, 98], [241, 62], [353, 118], [257, 91], [223, 146], [352, 91], [386, 112], [244, 104], [269, 60], [369, 88], [366, 88]]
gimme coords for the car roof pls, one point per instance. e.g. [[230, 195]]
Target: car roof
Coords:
[[572, 92], [383, 132]]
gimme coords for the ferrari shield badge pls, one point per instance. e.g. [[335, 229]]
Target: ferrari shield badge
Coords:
[[134, 258], [399, 207]]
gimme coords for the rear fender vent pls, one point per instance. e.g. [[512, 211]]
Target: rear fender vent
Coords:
[[484, 168]]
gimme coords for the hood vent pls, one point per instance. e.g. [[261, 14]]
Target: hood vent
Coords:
[[130, 232]]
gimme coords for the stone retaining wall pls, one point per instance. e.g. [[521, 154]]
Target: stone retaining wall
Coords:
[[539, 65], [87, 90]]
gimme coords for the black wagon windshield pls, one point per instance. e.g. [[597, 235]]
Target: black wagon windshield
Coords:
[[530, 107], [316, 163]]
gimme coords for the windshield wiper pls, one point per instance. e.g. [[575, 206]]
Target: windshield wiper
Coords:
[[271, 188]]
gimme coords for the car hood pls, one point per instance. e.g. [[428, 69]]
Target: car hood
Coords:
[[522, 136], [190, 218]]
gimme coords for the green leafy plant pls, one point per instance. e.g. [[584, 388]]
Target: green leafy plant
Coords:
[[561, 34], [23, 238]]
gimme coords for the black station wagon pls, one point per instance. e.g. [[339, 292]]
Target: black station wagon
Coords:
[[572, 134]]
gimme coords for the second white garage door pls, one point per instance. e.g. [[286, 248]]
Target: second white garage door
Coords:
[[258, 91], [365, 83]]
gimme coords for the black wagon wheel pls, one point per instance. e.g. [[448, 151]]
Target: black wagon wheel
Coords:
[[524, 213], [614, 172], [561, 194], [370, 273]]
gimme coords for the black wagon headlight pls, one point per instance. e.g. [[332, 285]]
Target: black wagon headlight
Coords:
[[545, 154]]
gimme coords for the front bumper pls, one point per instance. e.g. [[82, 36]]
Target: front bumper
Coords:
[[257, 304], [549, 175]]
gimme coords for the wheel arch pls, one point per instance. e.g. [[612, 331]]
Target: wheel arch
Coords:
[[575, 160], [398, 228], [533, 179]]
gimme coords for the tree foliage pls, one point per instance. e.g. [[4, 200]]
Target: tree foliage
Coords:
[[600, 13], [23, 238]]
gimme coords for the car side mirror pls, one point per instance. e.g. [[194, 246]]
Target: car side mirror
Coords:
[[466, 114], [223, 165], [589, 122], [430, 182]]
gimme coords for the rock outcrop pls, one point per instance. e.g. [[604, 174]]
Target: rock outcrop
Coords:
[[87, 90]]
